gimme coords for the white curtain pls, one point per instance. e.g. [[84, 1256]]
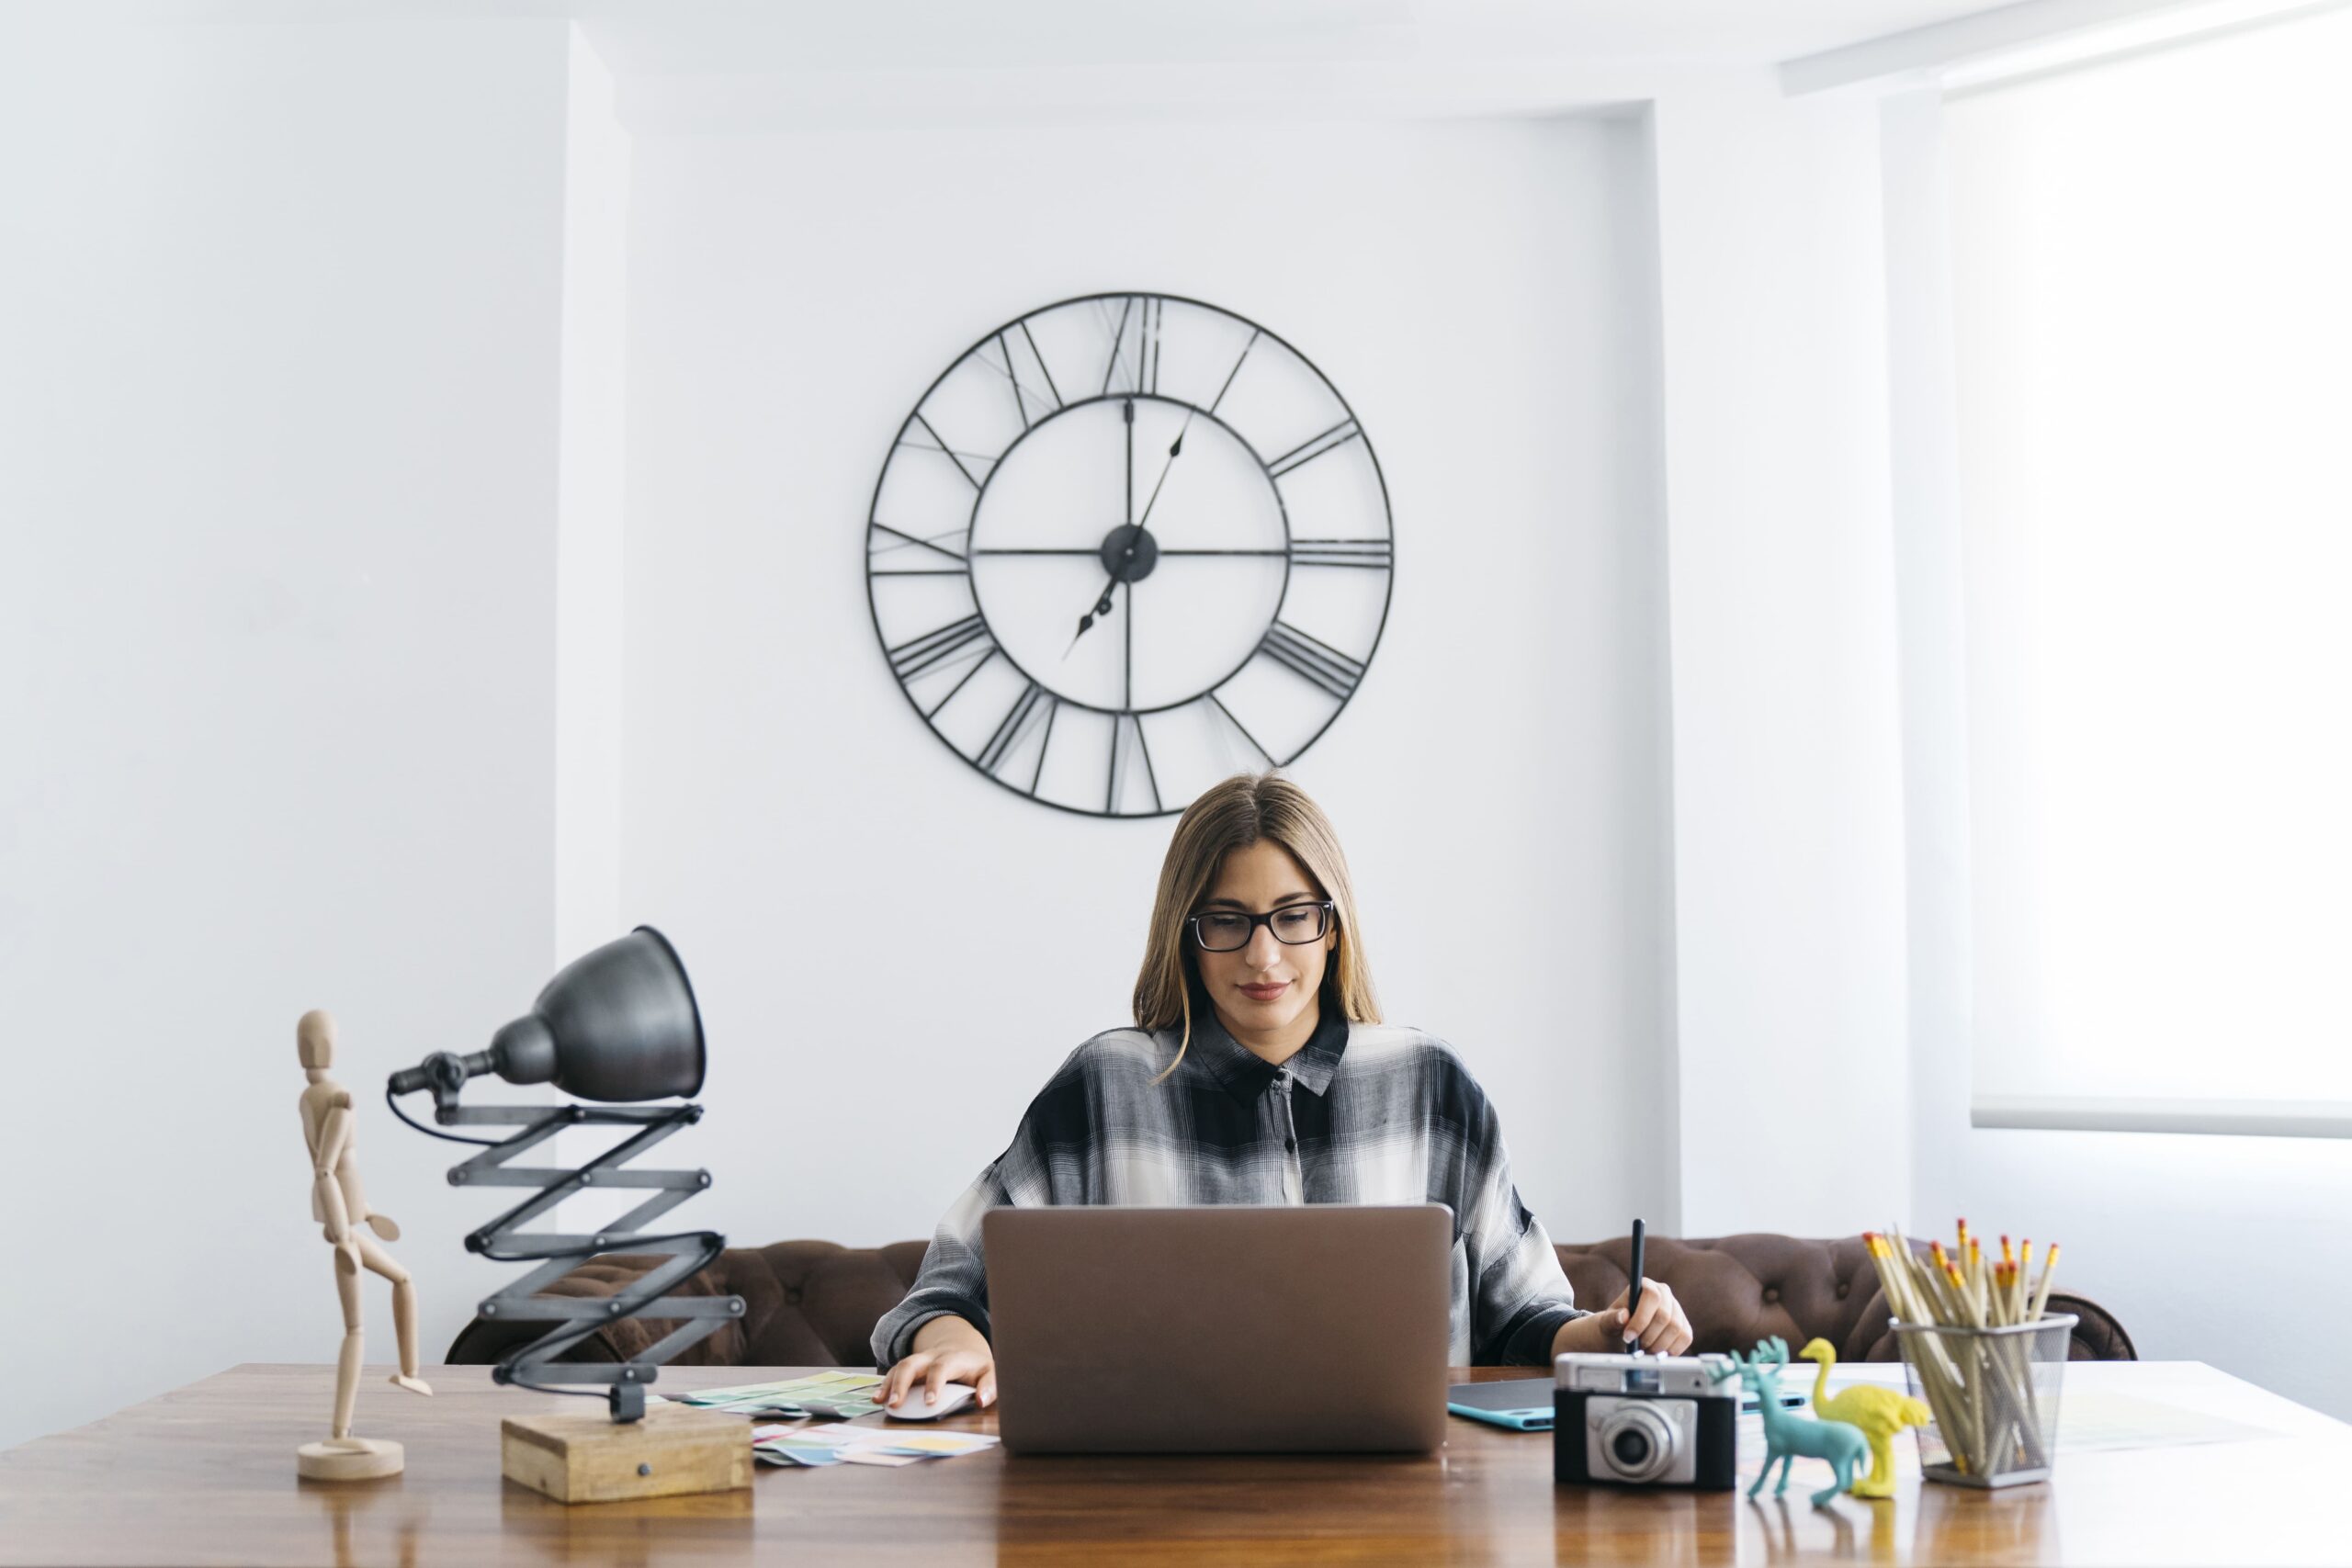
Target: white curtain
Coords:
[[2151, 287]]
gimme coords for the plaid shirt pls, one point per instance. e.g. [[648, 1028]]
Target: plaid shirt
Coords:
[[1388, 1115]]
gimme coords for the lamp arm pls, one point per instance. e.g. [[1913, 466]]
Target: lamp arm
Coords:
[[533, 1365]]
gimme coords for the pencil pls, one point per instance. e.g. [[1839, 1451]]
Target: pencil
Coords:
[[2041, 1294], [1980, 1387]]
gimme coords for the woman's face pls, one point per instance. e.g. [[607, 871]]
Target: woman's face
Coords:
[[1266, 985]]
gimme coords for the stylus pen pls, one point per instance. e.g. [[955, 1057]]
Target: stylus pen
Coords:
[[1634, 1295]]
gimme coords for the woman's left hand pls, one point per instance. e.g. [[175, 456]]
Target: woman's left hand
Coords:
[[1658, 1321]]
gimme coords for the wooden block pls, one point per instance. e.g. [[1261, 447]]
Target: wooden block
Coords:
[[594, 1459]]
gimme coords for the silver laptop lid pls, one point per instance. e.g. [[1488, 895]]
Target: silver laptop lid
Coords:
[[1220, 1329]]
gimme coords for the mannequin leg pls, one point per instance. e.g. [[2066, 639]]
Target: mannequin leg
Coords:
[[354, 1341], [403, 1311]]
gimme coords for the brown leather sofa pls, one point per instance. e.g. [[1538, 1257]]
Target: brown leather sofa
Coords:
[[813, 1304]]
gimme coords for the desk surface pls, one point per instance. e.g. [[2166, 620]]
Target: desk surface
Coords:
[[204, 1474]]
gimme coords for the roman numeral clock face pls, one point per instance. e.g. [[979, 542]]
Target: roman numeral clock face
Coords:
[[1125, 547]]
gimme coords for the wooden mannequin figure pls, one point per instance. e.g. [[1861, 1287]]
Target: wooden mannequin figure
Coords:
[[337, 1201]]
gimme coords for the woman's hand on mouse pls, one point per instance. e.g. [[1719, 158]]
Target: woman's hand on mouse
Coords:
[[946, 1350]]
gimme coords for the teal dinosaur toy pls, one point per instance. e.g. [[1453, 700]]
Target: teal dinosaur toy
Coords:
[[1789, 1437]]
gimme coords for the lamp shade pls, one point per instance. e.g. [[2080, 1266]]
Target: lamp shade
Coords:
[[616, 1025]]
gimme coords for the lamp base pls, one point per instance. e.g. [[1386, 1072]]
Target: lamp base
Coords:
[[594, 1459], [349, 1459]]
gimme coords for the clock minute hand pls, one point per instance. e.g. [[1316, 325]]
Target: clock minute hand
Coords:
[[1175, 450]]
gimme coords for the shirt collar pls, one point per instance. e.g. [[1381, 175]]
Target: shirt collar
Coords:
[[1245, 1073]]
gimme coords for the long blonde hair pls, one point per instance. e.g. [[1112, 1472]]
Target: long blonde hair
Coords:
[[1228, 816]]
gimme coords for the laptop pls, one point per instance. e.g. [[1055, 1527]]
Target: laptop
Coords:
[[1319, 1328]]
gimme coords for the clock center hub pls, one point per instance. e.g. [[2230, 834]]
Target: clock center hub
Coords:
[[1129, 552]]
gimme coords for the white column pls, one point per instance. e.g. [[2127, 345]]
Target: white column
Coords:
[[589, 512], [1790, 1077]]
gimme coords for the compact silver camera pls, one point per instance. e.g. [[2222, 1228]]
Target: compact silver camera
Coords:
[[1646, 1420]]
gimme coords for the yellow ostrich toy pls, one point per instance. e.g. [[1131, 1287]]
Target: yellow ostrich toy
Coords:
[[1880, 1412]]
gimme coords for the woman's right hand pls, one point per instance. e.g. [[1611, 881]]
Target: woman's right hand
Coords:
[[946, 1350]]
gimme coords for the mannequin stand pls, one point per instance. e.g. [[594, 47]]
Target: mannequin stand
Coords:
[[349, 1459]]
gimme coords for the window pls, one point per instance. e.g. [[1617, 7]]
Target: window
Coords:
[[2152, 291]]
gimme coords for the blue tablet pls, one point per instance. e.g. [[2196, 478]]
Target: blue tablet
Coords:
[[1524, 1404]]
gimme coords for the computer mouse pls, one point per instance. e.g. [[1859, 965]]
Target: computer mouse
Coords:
[[917, 1404]]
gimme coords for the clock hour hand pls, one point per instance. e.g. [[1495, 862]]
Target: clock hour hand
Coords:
[[1086, 622], [1127, 553]]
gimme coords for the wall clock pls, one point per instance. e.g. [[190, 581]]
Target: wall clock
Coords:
[[1126, 546]]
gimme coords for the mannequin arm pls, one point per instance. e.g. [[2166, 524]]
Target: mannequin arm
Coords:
[[333, 1135]]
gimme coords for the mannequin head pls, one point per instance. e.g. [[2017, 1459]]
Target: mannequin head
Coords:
[[314, 1040]]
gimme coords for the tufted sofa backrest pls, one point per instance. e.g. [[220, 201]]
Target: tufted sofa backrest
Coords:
[[1738, 1290], [814, 1304]]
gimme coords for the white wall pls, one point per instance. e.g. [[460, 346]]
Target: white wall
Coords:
[[892, 952], [277, 349]]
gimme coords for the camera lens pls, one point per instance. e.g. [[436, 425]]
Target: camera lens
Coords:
[[1635, 1442]]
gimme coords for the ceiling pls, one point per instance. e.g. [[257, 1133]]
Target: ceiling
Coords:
[[659, 37], [884, 34]]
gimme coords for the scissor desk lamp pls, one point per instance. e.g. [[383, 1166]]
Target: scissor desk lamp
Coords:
[[618, 1027]]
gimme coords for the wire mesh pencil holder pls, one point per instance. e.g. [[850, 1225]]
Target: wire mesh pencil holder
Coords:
[[1995, 1395]]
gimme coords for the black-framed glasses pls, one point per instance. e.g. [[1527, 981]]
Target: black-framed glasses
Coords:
[[1230, 930]]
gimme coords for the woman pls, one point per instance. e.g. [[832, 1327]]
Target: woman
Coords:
[[1259, 1072]]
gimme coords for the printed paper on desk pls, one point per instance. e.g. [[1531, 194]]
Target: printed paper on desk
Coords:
[[2097, 1419], [834, 1393], [942, 1442], [833, 1384], [864, 1445], [812, 1458], [808, 1438]]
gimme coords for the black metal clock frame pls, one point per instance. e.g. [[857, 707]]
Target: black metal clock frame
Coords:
[[1325, 666]]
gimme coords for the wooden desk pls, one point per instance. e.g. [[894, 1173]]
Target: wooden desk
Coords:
[[206, 1475]]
